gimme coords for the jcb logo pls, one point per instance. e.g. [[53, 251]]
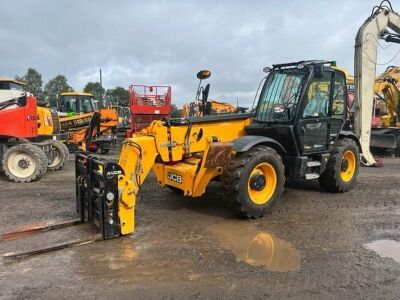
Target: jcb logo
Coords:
[[174, 177], [111, 174]]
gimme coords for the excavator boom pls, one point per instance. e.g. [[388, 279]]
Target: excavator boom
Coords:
[[366, 46]]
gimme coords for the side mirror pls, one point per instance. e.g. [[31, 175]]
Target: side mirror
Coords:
[[319, 71], [204, 74], [267, 69]]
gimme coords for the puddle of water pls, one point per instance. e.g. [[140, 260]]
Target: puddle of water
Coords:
[[386, 248], [256, 247], [119, 258]]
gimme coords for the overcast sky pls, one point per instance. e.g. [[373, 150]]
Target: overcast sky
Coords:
[[167, 42]]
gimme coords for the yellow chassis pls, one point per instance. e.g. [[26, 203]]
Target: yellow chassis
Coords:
[[185, 157]]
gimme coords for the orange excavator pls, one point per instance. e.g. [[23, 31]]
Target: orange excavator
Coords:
[[204, 107], [75, 110]]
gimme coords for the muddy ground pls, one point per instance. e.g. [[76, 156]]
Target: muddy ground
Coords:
[[312, 245]]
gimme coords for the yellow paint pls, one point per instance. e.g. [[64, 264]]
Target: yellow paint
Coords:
[[266, 193], [391, 94], [217, 107], [76, 94], [126, 204], [45, 121], [137, 158], [176, 156], [348, 173]]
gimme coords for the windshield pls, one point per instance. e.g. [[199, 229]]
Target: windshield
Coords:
[[282, 87], [68, 104], [77, 104], [87, 104], [7, 85]]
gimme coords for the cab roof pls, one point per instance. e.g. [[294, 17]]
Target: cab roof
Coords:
[[76, 94], [10, 79]]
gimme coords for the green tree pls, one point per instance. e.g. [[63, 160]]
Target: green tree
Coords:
[[96, 89], [55, 87], [118, 96], [33, 81], [175, 112]]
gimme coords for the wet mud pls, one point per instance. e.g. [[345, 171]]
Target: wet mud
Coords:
[[312, 244]]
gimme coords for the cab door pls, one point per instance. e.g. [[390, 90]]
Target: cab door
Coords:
[[315, 118], [339, 106]]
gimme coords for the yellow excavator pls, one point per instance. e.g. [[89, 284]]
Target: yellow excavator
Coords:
[[386, 122], [294, 133], [388, 92], [385, 133]]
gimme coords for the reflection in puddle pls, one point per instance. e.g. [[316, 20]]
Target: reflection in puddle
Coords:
[[119, 258], [256, 247], [386, 248]]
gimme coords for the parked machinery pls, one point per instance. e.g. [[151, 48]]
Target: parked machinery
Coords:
[[75, 110], [386, 122], [296, 132], [148, 103], [204, 107], [28, 136], [124, 117], [385, 125]]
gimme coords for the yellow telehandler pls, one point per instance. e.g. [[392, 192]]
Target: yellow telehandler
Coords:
[[295, 133]]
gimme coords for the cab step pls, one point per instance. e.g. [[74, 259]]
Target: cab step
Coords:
[[314, 163], [310, 176]]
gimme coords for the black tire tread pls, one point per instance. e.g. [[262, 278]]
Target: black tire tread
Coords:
[[65, 153], [330, 178], [231, 177]]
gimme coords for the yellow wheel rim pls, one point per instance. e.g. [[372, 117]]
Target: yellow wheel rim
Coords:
[[348, 166], [262, 183]]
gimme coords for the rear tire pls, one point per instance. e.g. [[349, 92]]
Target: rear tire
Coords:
[[341, 171], [24, 163], [254, 180], [60, 154]]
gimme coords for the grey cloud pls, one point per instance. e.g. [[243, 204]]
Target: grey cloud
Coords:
[[167, 42]]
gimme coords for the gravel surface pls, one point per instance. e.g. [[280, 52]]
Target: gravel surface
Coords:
[[312, 245]]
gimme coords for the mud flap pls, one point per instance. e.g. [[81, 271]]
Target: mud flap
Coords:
[[97, 193]]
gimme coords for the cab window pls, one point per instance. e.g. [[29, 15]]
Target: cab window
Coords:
[[338, 108], [317, 97], [86, 104], [68, 104]]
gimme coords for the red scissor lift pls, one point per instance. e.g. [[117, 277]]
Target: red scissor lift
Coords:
[[148, 103]]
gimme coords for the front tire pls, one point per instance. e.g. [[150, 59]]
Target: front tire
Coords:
[[254, 180], [24, 163], [341, 171]]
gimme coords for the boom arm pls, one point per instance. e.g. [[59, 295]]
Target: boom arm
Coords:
[[365, 57]]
